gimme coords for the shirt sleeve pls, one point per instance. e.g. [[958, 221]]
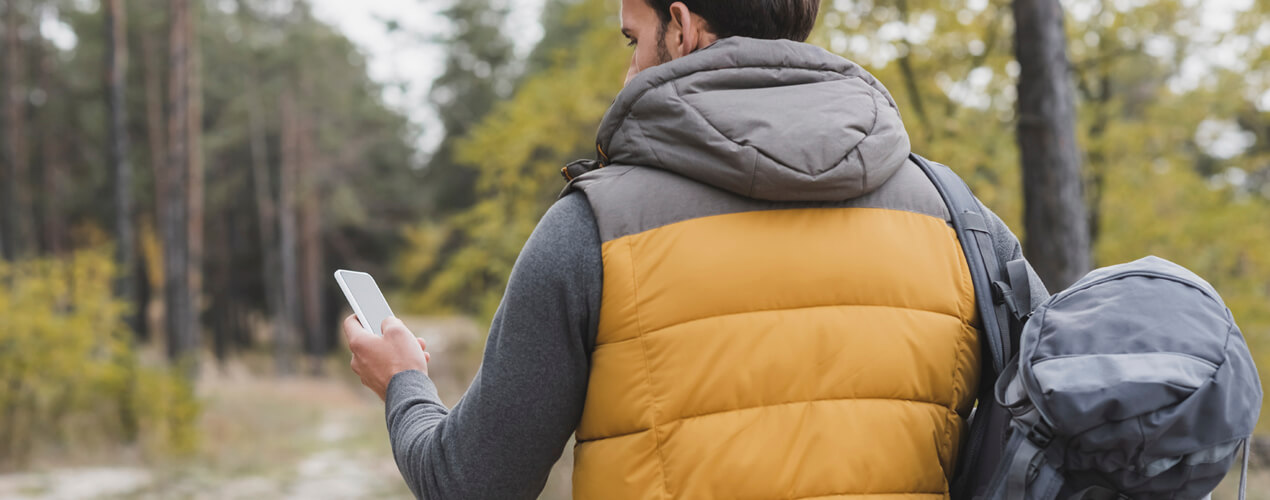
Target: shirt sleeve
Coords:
[[502, 438]]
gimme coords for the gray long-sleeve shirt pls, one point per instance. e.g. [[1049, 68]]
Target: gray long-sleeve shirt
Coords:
[[511, 426]]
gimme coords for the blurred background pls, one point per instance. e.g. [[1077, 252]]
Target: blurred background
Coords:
[[180, 178]]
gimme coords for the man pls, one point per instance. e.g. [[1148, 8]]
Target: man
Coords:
[[758, 295]]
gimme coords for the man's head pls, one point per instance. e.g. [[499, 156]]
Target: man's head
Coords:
[[663, 30]]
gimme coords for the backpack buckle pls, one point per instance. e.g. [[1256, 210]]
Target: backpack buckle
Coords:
[[1003, 294], [1040, 435]]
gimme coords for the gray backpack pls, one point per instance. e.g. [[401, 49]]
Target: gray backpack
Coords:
[[1133, 383]]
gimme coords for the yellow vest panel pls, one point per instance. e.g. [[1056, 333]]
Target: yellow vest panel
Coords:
[[797, 353]]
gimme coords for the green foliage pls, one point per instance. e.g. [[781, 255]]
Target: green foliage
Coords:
[[478, 73], [357, 153], [70, 377], [518, 150]]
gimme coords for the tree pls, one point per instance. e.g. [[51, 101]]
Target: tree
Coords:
[[196, 178], [329, 166], [478, 73], [270, 250], [52, 163], [1055, 220], [116, 83], [313, 275], [461, 263], [353, 177], [15, 210], [287, 225], [182, 319], [153, 67]]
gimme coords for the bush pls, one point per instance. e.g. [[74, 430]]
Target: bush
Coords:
[[70, 377]]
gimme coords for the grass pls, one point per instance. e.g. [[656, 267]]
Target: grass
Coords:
[[291, 437]]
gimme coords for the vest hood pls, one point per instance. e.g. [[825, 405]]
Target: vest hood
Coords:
[[767, 119]]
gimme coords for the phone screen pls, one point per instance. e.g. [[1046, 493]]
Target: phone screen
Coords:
[[367, 301]]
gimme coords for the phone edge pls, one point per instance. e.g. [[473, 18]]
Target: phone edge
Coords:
[[352, 302]]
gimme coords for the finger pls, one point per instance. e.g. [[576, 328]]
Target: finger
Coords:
[[393, 328], [423, 344], [427, 357], [353, 331]]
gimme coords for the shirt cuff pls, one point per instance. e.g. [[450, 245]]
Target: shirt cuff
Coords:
[[411, 384]]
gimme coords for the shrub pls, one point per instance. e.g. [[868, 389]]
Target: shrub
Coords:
[[70, 377]]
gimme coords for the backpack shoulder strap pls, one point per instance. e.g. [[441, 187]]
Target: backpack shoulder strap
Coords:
[[997, 294], [1002, 311]]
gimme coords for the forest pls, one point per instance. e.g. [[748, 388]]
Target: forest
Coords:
[[178, 180]]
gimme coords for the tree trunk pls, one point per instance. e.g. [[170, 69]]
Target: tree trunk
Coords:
[[221, 283], [311, 255], [155, 138], [1054, 212], [181, 321], [283, 343], [312, 282], [53, 237], [116, 81], [287, 218], [196, 176], [154, 118], [14, 199]]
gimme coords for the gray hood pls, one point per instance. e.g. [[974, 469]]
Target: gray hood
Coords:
[[766, 119]]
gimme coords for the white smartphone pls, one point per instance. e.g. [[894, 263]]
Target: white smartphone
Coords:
[[364, 296]]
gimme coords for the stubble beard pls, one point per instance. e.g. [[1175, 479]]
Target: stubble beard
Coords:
[[663, 53]]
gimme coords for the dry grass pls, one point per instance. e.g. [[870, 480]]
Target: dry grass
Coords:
[[300, 437]]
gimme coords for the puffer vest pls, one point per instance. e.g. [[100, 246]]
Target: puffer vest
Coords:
[[774, 349]]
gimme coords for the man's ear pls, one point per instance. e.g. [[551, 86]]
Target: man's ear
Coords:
[[683, 32]]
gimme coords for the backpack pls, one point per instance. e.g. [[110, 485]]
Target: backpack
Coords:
[[1134, 382]]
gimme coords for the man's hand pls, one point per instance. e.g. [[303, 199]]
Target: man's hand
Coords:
[[377, 359]]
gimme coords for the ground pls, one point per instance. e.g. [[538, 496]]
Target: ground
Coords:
[[301, 437]]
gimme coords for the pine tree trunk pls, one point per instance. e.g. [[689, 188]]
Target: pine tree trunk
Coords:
[[284, 345], [221, 288], [155, 138], [154, 119], [181, 321], [312, 282], [14, 198], [116, 81], [310, 235], [287, 182], [197, 176], [1054, 212]]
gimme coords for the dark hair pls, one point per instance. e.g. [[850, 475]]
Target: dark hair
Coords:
[[767, 19]]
